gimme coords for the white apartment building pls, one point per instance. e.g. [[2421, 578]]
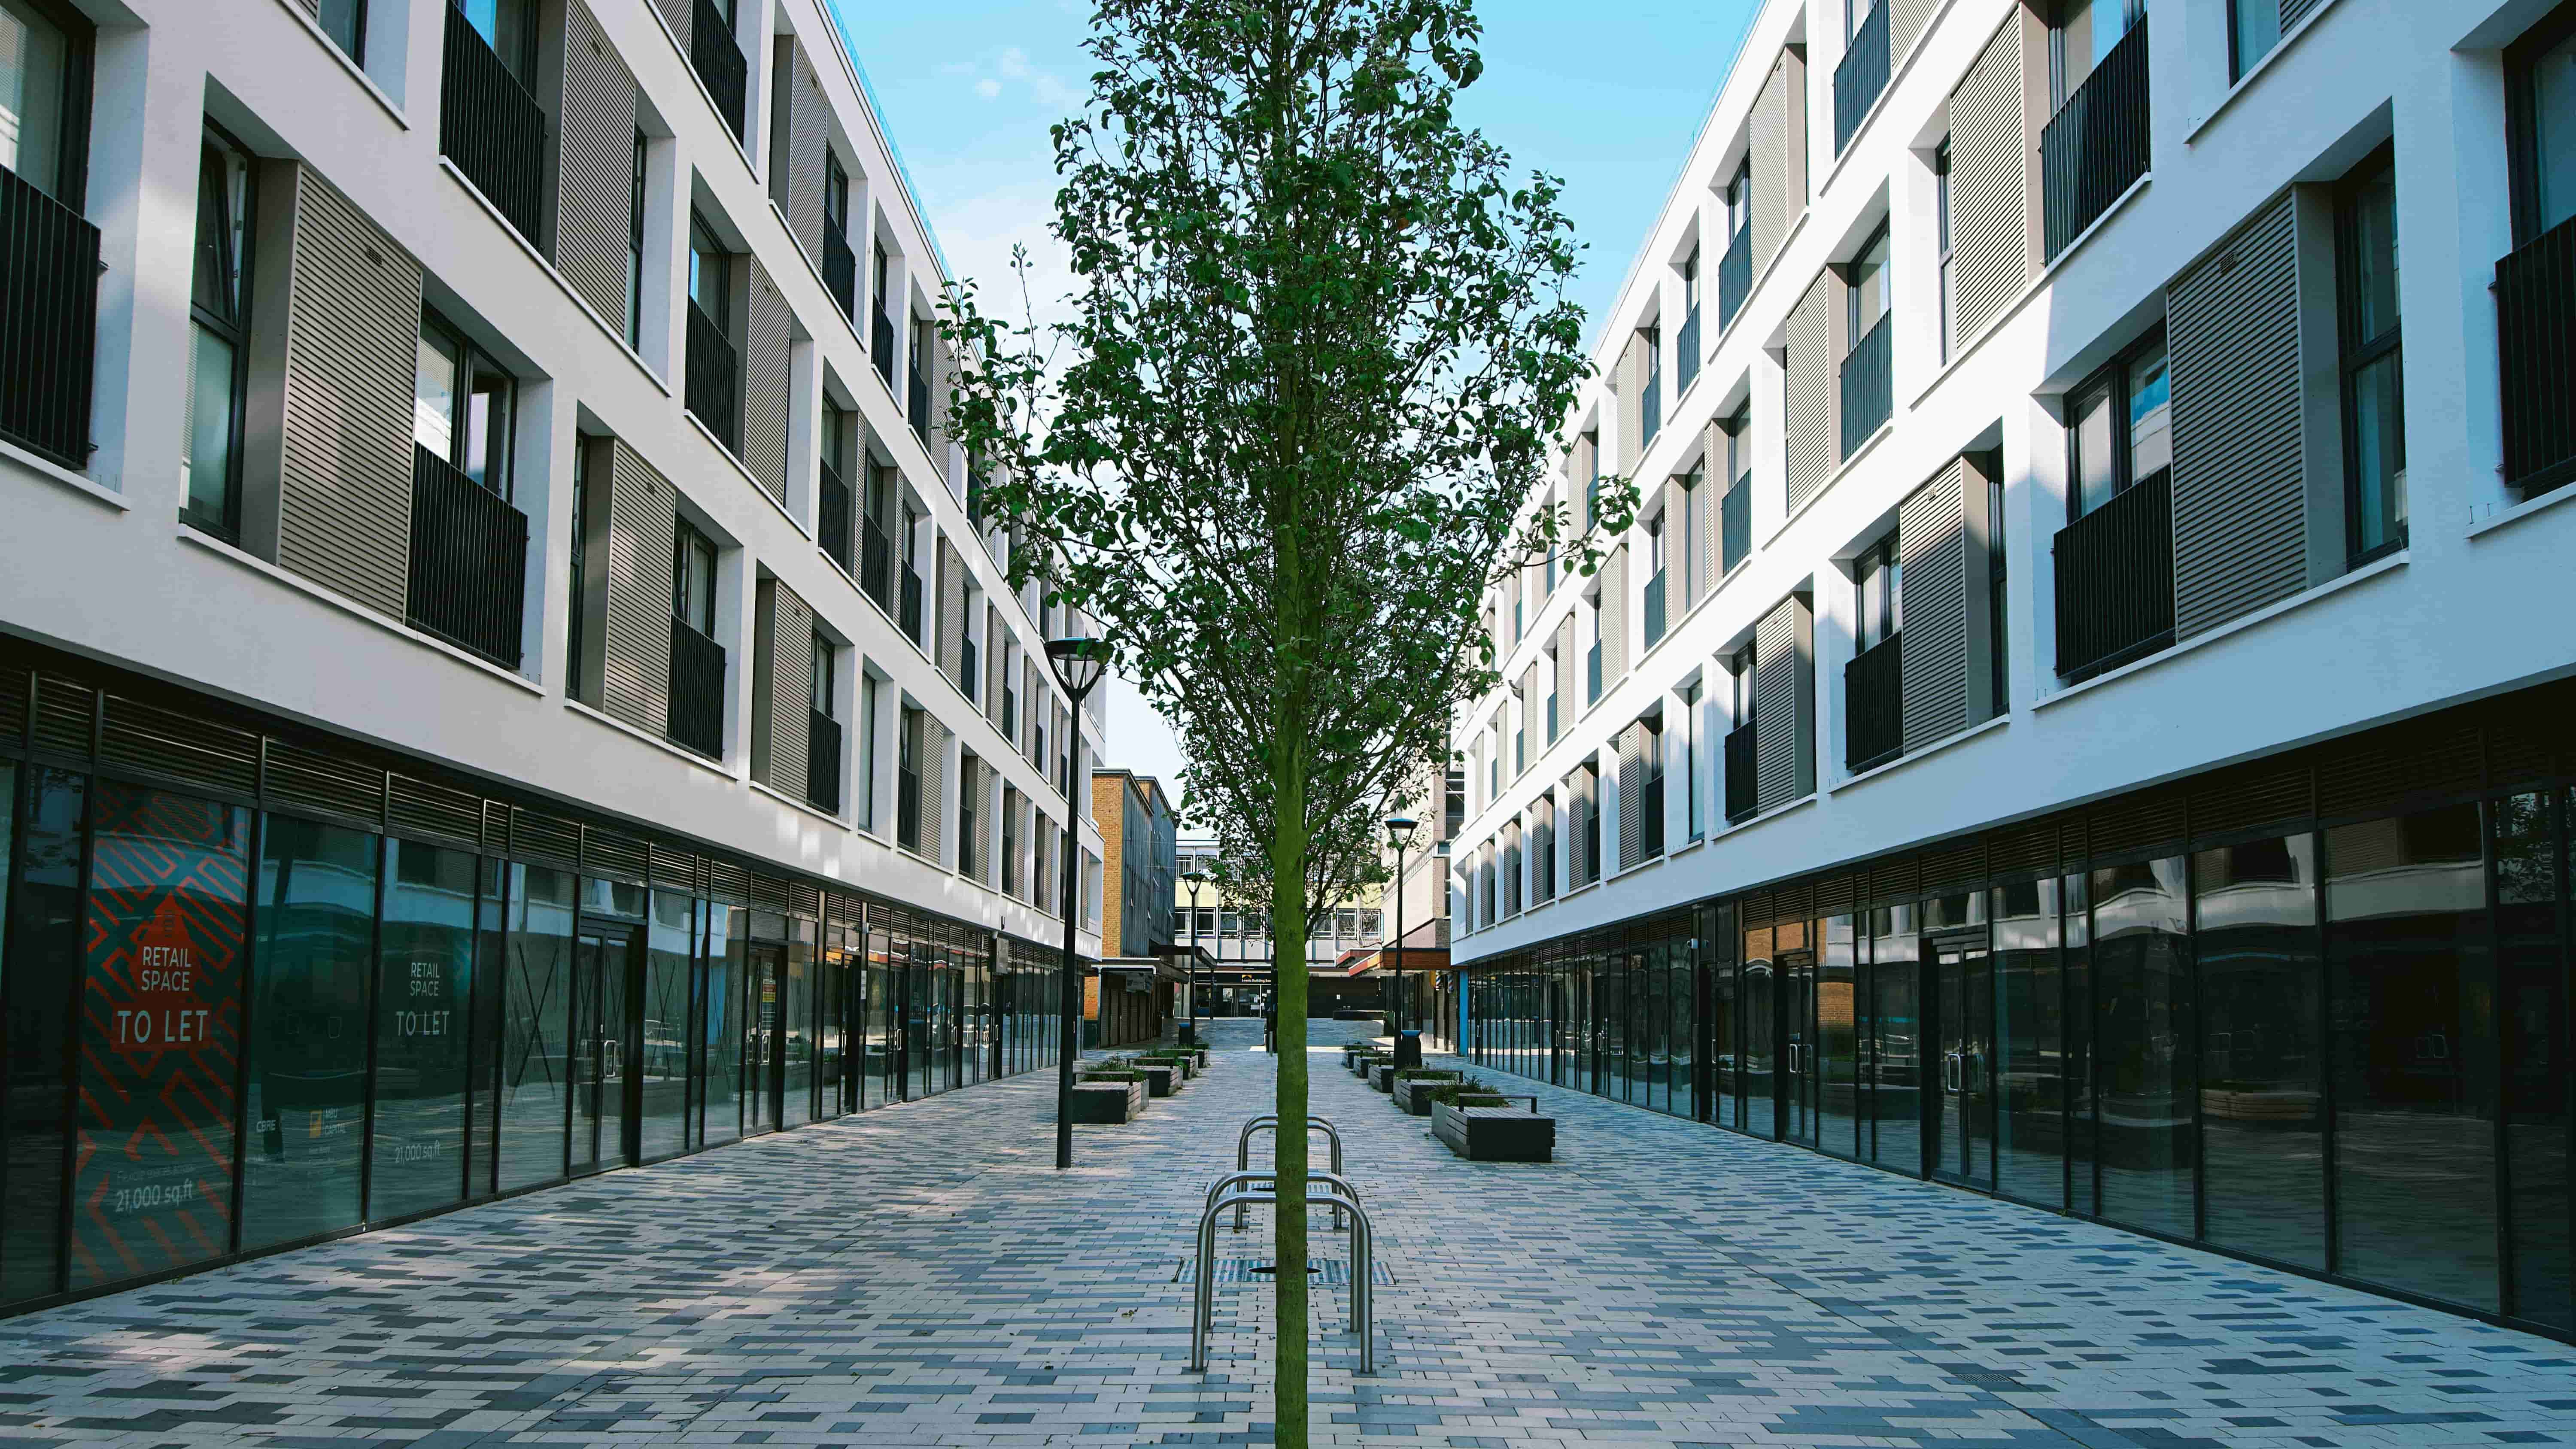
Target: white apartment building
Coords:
[[2082, 714], [614, 738]]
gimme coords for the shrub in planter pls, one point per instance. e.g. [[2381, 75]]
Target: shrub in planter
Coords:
[[1110, 1074], [1413, 1088]]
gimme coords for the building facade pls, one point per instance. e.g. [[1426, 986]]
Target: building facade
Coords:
[[619, 738], [1136, 986], [2081, 715], [1236, 949]]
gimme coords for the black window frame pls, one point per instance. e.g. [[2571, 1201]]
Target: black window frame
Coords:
[[836, 193], [1853, 330], [688, 542], [473, 363], [2238, 62], [214, 139], [355, 46], [1942, 239], [2522, 112], [635, 189], [722, 260], [70, 182], [1881, 564], [2112, 376], [823, 669], [2353, 356], [523, 66], [1741, 665]]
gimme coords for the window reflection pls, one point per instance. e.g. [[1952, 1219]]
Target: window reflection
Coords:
[[2261, 1081]]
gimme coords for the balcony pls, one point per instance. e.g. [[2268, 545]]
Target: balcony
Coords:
[[1734, 278], [1592, 673], [917, 403], [911, 620], [48, 322], [719, 63], [1868, 386], [1861, 75], [1655, 609], [2535, 292], [714, 386], [881, 344], [2115, 592], [491, 127], [876, 564], [1686, 353], [469, 561], [2095, 147], [1650, 404], [832, 519], [696, 718], [1740, 794], [841, 269], [823, 762], [1874, 705], [1735, 525]]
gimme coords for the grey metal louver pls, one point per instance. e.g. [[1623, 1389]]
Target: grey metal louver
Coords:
[[1990, 160], [1778, 143], [594, 165], [2239, 486], [1811, 398], [1614, 617], [1784, 701], [307, 781], [768, 342], [425, 810], [1932, 543], [613, 855], [635, 639], [1632, 783], [782, 689], [142, 739]]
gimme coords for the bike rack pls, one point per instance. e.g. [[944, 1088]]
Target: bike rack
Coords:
[[1270, 1120], [1335, 1186], [1363, 1265]]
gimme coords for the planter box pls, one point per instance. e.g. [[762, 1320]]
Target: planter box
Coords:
[[1382, 1074], [1413, 1094], [1108, 1101], [1495, 1134], [1164, 1080], [1363, 1067]]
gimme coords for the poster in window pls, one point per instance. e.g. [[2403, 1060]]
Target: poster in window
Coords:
[[160, 1034]]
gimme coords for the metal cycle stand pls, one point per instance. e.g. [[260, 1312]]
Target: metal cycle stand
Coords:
[[1243, 1152], [1363, 1266]]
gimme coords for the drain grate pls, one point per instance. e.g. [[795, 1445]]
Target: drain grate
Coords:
[[1235, 1272]]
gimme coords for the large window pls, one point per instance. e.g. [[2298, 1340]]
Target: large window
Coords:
[[44, 62], [1865, 295], [693, 579], [424, 985], [2142, 1015], [2253, 28], [510, 28], [2261, 1071], [2119, 428], [536, 1018], [1881, 592], [308, 1030], [219, 311], [2541, 69], [2374, 393], [710, 276], [2083, 35], [463, 406]]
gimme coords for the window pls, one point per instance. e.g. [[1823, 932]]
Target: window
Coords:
[[879, 269], [693, 579], [44, 60], [1855, 12], [1865, 296], [345, 21], [1881, 593], [219, 309], [462, 406], [2119, 428], [863, 798], [836, 195], [1999, 636], [1692, 496], [635, 245], [1453, 803], [1742, 666], [907, 786], [921, 335], [509, 27], [823, 662], [576, 626], [2084, 33], [1941, 225], [1739, 201], [1690, 289], [1694, 762], [2541, 78], [2253, 28], [1592, 482], [710, 276], [2374, 393]]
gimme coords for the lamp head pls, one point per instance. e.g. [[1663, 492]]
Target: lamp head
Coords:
[[1078, 662], [1399, 831]]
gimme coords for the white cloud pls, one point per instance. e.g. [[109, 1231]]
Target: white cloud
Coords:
[[1011, 70], [988, 88]]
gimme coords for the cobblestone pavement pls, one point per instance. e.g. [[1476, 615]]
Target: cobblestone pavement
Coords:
[[921, 1275]]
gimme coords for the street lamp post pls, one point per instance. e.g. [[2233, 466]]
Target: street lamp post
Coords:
[[1196, 879], [1399, 833], [1077, 664]]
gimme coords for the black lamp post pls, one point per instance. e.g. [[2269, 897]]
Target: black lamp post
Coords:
[[1077, 664], [1399, 833], [1196, 879]]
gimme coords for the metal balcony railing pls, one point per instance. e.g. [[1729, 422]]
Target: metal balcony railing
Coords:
[[1868, 386], [917, 404], [881, 343], [1654, 620], [1740, 774], [1592, 673], [1734, 277], [469, 561], [841, 270], [48, 322], [491, 127], [713, 385], [1735, 525], [2115, 589], [2535, 292], [1874, 705], [719, 63], [2096, 146], [822, 761], [1686, 352], [911, 620], [832, 519], [876, 564], [696, 718], [1861, 75]]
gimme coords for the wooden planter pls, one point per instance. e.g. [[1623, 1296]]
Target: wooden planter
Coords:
[[1495, 1134], [1382, 1074], [1413, 1094], [1163, 1079], [1108, 1101], [1365, 1066]]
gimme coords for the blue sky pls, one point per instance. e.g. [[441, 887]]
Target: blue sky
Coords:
[[1610, 101]]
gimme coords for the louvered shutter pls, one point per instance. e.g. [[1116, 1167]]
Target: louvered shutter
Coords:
[[996, 664], [1568, 703], [635, 642], [1530, 721], [1932, 664], [1706, 505], [951, 627], [1614, 618], [1906, 20], [1990, 157], [1778, 143], [800, 121], [935, 808], [769, 337], [1784, 703], [1631, 382], [594, 165], [2239, 488], [677, 14], [1632, 785], [1812, 399], [782, 688]]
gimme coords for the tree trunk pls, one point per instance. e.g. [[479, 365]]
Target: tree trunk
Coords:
[[1288, 954]]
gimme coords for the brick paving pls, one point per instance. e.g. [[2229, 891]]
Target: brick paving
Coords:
[[920, 1275]]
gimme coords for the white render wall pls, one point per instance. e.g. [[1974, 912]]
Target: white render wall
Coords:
[[2476, 604], [98, 563]]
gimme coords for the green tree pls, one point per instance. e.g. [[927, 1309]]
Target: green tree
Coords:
[[1318, 358]]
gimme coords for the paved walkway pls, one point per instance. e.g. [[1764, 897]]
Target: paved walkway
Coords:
[[921, 1275]]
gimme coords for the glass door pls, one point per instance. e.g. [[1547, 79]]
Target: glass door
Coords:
[[1963, 1129], [602, 1055], [763, 1031], [915, 1007], [1760, 1004], [1799, 1067]]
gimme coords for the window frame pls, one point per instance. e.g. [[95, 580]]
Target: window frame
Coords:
[[1741, 665], [2112, 379], [214, 139], [823, 660], [689, 544], [2522, 116], [722, 259], [636, 181], [2352, 356], [472, 364], [1853, 330], [1943, 241], [70, 182], [1878, 566], [2238, 62]]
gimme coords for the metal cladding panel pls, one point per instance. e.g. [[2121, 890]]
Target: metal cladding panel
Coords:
[[1811, 396], [635, 645], [594, 165], [1704, 542], [1778, 656], [788, 627], [769, 335], [934, 787], [1632, 783], [1630, 380], [1906, 21], [1932, 544], [1989, 157], [1614, 617], [801, 132], [2239, 487], [678, 14], [1778, 144], [352, 356], [952, 612]]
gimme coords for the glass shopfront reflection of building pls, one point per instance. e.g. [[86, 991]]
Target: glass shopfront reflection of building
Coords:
[[307, 1058], [423, 1003]]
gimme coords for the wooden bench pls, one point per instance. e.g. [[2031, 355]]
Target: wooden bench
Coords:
[[1495, 1134], [1107, 1101]]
